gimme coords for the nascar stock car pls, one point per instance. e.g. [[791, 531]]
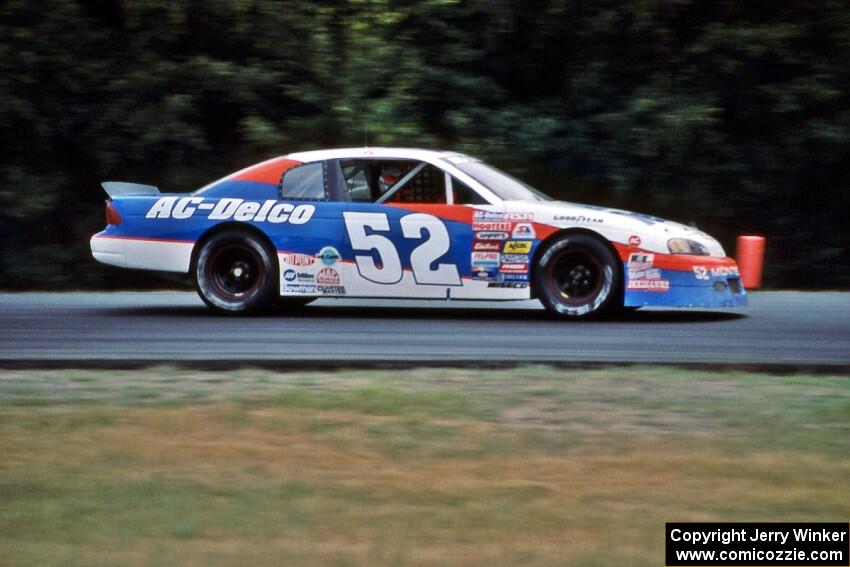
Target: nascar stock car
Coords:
[[407, 223]]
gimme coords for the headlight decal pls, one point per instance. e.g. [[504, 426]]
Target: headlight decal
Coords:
[[686, 246]]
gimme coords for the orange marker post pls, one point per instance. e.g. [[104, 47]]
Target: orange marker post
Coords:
[[750, 260]]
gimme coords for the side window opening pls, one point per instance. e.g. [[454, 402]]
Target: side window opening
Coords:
[[304, 183], [369, 180], [465, 195], [389, 173], [428, 186], [355, 174], [386, 180]]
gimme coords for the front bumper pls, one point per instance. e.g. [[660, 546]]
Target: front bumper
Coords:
[[670, 280]]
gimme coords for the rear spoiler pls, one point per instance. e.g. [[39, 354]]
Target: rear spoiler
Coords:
[[121, 189]]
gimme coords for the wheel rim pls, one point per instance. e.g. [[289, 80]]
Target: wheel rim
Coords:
[[234, 272], [576, 276]]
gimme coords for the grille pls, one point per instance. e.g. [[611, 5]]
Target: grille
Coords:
[[735, 285]]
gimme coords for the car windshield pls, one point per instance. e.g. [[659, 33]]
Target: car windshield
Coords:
[[505, 186]]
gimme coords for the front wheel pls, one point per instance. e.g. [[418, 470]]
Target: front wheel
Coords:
[[577, 276], [235, 273]]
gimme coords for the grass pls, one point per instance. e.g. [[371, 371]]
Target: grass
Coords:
[[529, 466]]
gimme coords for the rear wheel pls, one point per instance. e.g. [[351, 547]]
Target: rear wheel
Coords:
[[577, 276], [236, 273]]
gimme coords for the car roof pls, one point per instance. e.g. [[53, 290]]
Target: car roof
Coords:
[[370, 152], [261, 171]]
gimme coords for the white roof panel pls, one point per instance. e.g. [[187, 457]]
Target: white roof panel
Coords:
[[369, 152]]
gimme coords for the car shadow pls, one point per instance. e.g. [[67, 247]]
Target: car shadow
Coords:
[[434, 313], [502, 313]]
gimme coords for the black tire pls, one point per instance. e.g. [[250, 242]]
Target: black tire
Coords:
[[236, 273], [577, 277]]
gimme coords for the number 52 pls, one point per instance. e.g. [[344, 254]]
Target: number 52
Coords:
[[412, 226]]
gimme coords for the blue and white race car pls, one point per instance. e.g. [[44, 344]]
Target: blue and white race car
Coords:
[[396, 222]]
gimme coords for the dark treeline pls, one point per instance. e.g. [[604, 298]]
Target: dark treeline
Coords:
[[731, 114]]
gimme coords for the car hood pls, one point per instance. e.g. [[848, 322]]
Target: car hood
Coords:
[[615, 224]]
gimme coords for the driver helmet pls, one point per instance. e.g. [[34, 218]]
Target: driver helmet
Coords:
[[390, 175]]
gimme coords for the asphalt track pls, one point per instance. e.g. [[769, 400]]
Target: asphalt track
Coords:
[[78, 329]]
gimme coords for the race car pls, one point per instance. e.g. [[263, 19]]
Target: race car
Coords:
[[407, 223]]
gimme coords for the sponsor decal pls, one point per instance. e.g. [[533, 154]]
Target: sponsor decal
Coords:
[[300, 288], [523, 230], [297, 259], [496, 216], [487, 216], [725, 272], [639, 261], [331, 290], [517, 247], [306, 277], [485, 257], [515, 258], [513, 268], [327, 276], [649, 285], [486, 246], [484, 263], [576, 218], [485, 266], [328, 255], [481, 274], [509, 285], [642, 276], [491, 235], [513, 277], [477, 226], [634, 240], [290, 275], [650, 274], [704, 273], [272, 211]]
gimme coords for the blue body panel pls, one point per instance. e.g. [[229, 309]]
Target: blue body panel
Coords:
[[685, 289], [325, 228]]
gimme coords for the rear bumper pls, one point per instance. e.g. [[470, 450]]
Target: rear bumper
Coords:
[[108, 250], [681, 281], [142, 253]]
